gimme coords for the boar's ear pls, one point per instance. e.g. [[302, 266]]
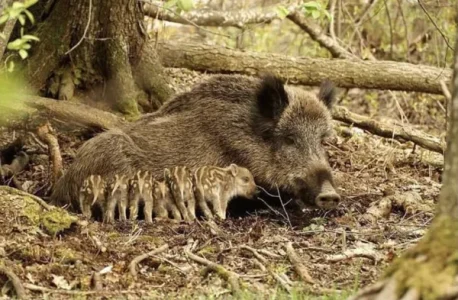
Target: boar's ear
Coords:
[[327, 93], [272, 97]]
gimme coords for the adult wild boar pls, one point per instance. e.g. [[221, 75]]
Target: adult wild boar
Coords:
[[275, 131]]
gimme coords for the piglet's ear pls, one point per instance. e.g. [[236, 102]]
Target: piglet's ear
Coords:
[[233, 169], [272, 97], [327, 93], [167, 173]]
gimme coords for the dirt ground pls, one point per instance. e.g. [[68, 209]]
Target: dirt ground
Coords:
[[388, 193]]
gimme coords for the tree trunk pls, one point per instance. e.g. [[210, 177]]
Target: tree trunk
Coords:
[[307, 71], [100, 46], [430, 269]]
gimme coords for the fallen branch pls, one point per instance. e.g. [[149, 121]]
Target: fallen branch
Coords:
[[316, 34], [384, 75], [402, 134], [15, 281], [74, 113], [38, 288], [352, 253], [231, 277], [235, 18], [298, 266], [255, 253], [133, 264], [47, 134]]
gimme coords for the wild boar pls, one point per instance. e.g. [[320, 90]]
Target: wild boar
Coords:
[[141, 192], [91, 193], [163, 202], [179, 179], [274, 130], [218, 186]]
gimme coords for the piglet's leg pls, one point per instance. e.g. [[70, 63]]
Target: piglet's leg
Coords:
[[202, 204], [110, 207], [133, 207], [191, 207], [85, 206], [148, 209]]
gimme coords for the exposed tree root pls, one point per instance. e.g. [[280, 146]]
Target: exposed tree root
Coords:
[[298, 266], [15, 281], [231, 277], [75, 113], [46, 134], [133, 264], [402, 134], [255, 253]]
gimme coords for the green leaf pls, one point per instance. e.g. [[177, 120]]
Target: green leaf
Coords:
[[29, 3], [327, 14], [3, 19], [311, 5], [23, 54], [17, 5], [282, 12], [15, 45], [10, 67], [30, 16], [21, 19], [26, 46], [185, 5], [169, 4], [316, 14], [29, 37]]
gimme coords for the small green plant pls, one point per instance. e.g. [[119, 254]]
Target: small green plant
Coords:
[[315, 10], [18, 11], [181, 5]]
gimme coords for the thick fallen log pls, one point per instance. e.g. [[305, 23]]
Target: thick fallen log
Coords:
[[397, 132], [384, 75]]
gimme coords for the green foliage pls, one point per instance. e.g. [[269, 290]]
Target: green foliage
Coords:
[[18, 10], [180, 5], [315, 10], [282, 12], [12, 93]]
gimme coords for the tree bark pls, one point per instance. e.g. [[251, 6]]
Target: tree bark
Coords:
[[430, 269], [236, 18], [91, 45], [307, 71]]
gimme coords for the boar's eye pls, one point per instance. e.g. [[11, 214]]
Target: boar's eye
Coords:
[[289, 140], [246, 179]]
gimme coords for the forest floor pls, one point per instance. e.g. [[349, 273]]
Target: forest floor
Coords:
[[388, 193]]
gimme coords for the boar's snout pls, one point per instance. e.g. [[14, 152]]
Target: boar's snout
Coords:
[[328, 197], [316, 188]]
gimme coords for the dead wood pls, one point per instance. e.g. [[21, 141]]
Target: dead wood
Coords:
[[37, 288], [298, 266], [316, 34], [47, 134], [235, 18], [402, 133], [255, 253], [16, 166], [384, 75], [133, 264], [231, 277], [13, 191], [74, 113], [15, 281]]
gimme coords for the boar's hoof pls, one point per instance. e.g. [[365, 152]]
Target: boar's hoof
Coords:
[[327, 200]]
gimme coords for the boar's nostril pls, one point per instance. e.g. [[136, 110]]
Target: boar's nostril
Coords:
[[328, 200]]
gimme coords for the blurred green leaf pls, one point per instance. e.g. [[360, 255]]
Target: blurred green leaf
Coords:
[[185, 5], [282, 12], [169, 4], [23, 53], [316, 14], [13, 92], [30, 16], [29, 37], [21, 19], [311, 5], [3, 19]]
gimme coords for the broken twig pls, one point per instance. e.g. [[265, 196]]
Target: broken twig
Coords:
[[231, 277], [133, 264], [298, 266], [15, 281]]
